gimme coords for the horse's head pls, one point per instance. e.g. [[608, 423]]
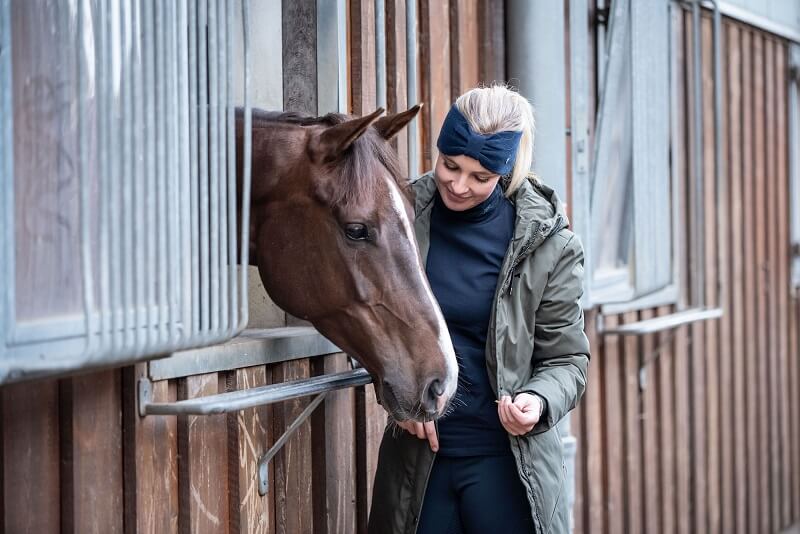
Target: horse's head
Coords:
[[334, 244]]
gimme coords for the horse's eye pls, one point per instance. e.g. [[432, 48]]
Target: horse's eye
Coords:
[[356, 232]]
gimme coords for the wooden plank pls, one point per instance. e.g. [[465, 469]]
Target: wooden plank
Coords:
[[711, 353], [362, 55], [492, 43], [667, 446], [794, 348], [612, 375], [649, 382], [254, 431], [593, 495], [683, 460], [762, 354], [299, 23], [292, 465], [578, 424], [150, 459], [333, 430], [435, 38], [751, 391], [91, 455], [634, 482], [31, 457], [396, 63], [770, 295], [464, 45], [782, 261], [736, 281], [203, 461], [725, 360]]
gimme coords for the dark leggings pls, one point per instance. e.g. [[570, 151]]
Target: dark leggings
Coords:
[[475, 494]]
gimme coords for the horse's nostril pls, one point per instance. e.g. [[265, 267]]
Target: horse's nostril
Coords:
[[431, 395], [437, 388]]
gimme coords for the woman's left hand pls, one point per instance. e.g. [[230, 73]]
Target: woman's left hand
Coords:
[[520, 416]]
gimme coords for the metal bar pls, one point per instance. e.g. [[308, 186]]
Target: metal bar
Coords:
[[139, 176], [222, 106], [665, 322], [246, 179], [103, 114], [202, 143], [233, 289], [126, 88], [380, 53], [150, 181], [114, 134], [411, 85], [83, 174], [263, 462], [213, 100], [162, 229], [698, 261], [194, 204], [185, 198], [172, 65], [7, 312], [249, 398]]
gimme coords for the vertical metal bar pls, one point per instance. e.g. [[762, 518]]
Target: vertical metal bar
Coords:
[[150, 183], [83, 174], [139, 176], [161, 170], [126, 117], [698, 262], [185, 176], [171, 217], [7, 312], [602, 53], [114, 84], [222, 97], [246, 166], [213, 147], [203, 110], [380, 53], [411, 81], [233, 290], [103, 78], [194, 204]]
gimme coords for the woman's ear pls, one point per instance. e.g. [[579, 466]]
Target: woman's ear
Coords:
[[389, 125]]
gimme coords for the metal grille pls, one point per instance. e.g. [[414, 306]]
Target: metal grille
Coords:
[[118, 182]]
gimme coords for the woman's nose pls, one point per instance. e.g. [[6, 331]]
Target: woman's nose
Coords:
[[459, 186]]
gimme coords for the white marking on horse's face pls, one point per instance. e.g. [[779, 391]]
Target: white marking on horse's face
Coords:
[[445, 343]]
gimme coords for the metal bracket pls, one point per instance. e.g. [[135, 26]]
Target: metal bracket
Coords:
[[263, 462], [664, 322], [145, 391]]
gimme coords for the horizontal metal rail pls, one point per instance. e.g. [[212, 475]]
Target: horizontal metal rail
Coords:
[[665, 322], [249, 398]]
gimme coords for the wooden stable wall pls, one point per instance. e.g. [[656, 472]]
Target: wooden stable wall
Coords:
[[698, 429], [76, 457]]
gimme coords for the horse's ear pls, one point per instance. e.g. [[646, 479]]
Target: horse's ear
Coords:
[[389, 125], [330, 143]]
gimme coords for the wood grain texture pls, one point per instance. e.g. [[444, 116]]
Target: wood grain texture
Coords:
[[592, 442], [491, 38], [611, 372], [649, 381], [150, 459], [91, 455], [464, 46], [396, 68], [434, 48], [634, 481], [31, 458], [299, 19], [666, 443], [203, 461], [362, 56], [255, 436]]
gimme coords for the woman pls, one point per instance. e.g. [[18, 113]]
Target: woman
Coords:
[[507, 274]]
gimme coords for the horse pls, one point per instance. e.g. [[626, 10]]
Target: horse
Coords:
[[331, 232]]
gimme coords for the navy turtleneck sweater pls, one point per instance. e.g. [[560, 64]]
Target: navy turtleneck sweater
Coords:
[[464, 260]]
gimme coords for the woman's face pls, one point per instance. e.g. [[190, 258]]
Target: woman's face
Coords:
[[463, 182]]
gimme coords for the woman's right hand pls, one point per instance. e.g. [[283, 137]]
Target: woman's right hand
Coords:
[[425, 430]]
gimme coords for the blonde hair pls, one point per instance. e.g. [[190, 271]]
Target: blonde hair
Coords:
[[497, 109]]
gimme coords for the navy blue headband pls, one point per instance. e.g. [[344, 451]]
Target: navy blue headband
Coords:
[[496, 152]]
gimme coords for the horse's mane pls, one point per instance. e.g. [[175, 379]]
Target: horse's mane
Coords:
[[359, 179]]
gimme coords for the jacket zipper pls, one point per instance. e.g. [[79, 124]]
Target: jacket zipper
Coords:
[[544, 229]]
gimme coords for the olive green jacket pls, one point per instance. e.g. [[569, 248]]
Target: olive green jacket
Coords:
[[536, 344]]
